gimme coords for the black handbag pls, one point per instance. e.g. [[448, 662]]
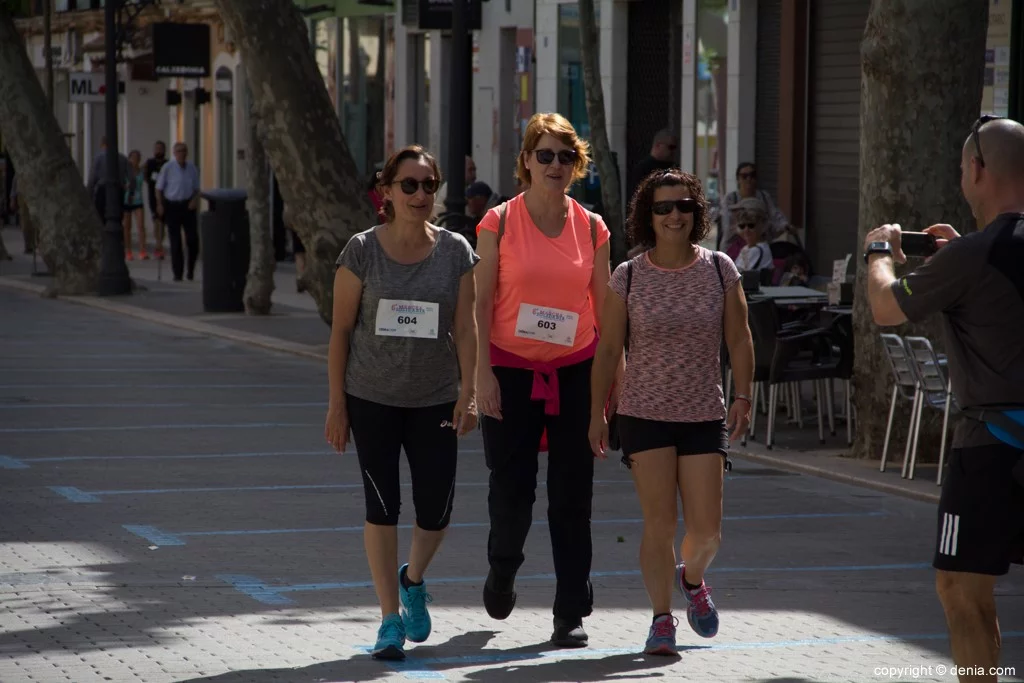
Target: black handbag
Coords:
[[614, 441]]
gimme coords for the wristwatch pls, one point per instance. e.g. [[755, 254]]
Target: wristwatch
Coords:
[[877, 248]]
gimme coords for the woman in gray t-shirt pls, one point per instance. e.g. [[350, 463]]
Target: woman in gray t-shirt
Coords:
[[402, 371]]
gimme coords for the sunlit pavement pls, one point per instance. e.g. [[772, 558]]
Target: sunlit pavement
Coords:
[[169, 511]]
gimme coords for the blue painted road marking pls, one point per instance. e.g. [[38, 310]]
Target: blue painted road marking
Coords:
[[226, 489], [130, 406], [149, 371], [9, 463], [152, 533], [134, 428], [274, 594], [73, 493], [190, 387]]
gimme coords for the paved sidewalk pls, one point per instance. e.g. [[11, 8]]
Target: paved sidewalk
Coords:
[[171, 514]]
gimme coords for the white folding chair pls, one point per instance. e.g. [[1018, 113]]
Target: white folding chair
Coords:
[[905, 386], [933, 390]]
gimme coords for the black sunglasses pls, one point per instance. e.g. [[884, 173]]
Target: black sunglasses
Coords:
[[747, 226], [976, 134], [410, 185], [566, 157], [684, 206]]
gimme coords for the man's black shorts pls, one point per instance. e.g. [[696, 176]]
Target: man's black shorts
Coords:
[[981, 512]]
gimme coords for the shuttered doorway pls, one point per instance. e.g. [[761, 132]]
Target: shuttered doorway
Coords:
[[766, 145], [833, 144]]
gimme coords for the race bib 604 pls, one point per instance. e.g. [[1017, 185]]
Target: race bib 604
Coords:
[[398, 318]]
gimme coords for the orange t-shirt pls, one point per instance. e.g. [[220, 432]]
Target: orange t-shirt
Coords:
[[542, 305]]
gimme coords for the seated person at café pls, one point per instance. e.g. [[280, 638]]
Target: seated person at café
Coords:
[[797, 271], [751, 221]]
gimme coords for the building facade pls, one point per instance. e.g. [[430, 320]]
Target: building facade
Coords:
[[501, 72], [776, 82], [207, 113], [807, 144]]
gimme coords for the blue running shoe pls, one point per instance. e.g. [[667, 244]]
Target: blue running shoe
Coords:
[[414, 608], [700, 611], [390, 639], [661, 640]]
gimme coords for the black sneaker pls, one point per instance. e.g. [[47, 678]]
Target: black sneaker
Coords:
[[569, 633], [499, 596]]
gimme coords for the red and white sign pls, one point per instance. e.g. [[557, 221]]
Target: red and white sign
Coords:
[[88, 87]]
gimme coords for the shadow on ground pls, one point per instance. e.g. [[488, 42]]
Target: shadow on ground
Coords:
[[468, 649]]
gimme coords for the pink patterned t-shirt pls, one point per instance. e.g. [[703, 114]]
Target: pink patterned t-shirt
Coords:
[[674, 371]]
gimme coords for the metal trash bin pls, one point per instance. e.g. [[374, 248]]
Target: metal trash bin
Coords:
[[224, 235]]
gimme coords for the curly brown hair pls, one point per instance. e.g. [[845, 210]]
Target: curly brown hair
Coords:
[[640, 224]]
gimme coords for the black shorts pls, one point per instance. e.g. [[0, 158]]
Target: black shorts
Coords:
[[688, 438], [431, 448], [981, 512]]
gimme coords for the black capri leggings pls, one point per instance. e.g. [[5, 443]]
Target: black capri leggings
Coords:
[[431, 446]]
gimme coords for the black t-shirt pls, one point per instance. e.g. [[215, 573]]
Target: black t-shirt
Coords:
[[977, 283], [153, 167]]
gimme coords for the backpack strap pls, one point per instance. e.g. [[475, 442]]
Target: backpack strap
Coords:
[[718, 269], [502, 211], [593, 229], [629, 283]]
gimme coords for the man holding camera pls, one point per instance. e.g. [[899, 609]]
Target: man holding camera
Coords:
[[977, 283]]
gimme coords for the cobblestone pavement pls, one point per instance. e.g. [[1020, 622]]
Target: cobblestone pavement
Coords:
[[169, 512]]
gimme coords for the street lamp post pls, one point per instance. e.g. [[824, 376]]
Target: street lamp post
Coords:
[[458, 133], [114, 279]]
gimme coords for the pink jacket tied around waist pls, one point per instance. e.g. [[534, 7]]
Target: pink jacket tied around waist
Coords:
[[545, 375]]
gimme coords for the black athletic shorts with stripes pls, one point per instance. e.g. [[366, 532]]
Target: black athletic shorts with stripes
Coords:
[[981, 511]]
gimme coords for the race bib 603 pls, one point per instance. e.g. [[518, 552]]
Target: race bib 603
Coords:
[[552, 325]]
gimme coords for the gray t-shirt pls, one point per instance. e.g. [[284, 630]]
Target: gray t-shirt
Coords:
[[977, 283], [402, 351]]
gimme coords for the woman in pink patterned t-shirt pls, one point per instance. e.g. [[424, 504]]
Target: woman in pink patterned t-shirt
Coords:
[[677, 301]]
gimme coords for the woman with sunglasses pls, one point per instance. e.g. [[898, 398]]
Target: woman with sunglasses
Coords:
[[729, 238], [403, 334], [543, 275], [676, 301], [751, 223]]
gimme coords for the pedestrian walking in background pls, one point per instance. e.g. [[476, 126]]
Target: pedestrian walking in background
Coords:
[[674, 302], [97, 184], [543, 277], [133, 205], [153, 166], [402, 371], [177, 196]]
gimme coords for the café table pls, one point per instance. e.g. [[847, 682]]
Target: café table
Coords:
[[790, 296]]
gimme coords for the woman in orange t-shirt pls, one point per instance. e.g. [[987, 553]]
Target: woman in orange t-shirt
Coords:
[[542, 279]]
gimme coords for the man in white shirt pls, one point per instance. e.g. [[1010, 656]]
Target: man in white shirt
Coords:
[[177, 197]]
